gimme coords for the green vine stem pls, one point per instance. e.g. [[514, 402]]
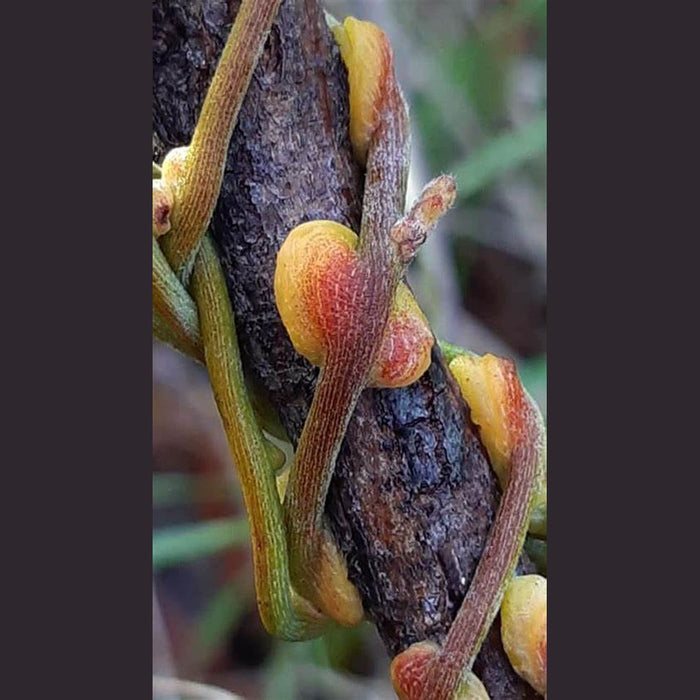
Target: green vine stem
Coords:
[[162, 331], [494, 571], [198, 191], [174, 308], [283, 613], [176, 322]]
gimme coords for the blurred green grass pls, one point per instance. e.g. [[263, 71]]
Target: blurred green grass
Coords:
[[500, 155], [174, 546]]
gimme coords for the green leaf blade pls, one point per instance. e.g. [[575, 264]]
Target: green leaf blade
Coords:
[[499, 156], [180, 544]]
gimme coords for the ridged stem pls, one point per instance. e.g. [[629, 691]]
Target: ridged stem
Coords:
[[199, 188], [495, 569], [349, 361], [283, 613], [163, 333], [174, 309], [387, 245]]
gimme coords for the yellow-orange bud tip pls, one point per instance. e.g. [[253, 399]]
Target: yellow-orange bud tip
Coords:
[[524, 628], [368, 57], [337, 596]]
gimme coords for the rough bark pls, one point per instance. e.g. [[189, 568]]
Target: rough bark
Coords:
[[413, 497]]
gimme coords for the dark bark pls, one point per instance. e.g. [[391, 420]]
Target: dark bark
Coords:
[[413, 497]]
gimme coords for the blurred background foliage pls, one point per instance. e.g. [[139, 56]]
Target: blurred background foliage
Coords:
[[474, 75]]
